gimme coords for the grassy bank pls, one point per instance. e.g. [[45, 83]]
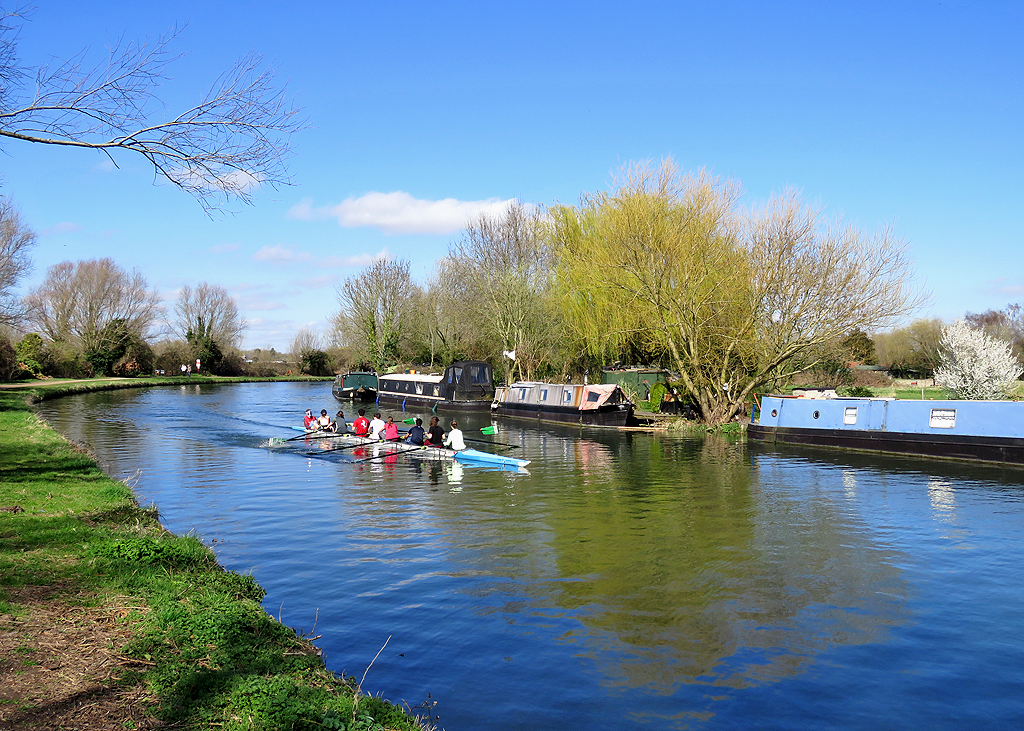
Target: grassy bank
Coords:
[[109, 621]]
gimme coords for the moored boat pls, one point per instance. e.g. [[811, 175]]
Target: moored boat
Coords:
[[355, 385], [599, 404], [981, 431], [463, 385]]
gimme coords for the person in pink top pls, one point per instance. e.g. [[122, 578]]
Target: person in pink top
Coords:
[[391, 430]]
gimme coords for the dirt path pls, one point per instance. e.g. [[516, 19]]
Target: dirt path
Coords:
[[59, 665]]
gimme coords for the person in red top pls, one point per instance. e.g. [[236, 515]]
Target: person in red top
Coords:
[[361, 425], [308, 420]]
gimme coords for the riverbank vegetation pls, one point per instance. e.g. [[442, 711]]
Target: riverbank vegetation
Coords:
[[108, 621]]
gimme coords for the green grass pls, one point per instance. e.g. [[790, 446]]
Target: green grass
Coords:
[[211, 657]]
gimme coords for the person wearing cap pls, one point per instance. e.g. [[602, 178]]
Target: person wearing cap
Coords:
[[309, 421], [454, 438]]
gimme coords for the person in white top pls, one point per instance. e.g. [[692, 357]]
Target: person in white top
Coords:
[[454, 438], [376, 426]]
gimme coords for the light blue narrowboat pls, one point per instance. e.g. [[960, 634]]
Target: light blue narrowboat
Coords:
[[986, 431]]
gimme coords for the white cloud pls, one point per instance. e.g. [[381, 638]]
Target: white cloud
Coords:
[[401, 213], [65, 227]]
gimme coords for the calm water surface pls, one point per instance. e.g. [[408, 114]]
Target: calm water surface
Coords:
[[626, 581]]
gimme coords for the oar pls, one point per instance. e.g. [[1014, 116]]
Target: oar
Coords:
[[310, 435], [489, 430]]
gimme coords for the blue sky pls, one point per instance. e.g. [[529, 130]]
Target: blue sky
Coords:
[[902, 114]]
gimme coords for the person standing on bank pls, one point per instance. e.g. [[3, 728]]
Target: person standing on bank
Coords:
[[454, 438]]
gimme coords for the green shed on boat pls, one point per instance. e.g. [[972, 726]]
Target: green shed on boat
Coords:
[[635, 381]]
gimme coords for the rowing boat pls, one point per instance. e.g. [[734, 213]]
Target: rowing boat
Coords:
[[414, 450]]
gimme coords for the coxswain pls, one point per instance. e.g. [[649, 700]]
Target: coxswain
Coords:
[[454, 438], [391, 430]]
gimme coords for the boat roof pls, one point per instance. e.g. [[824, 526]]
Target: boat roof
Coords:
[[417, 377]]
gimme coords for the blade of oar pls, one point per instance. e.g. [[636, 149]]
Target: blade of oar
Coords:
[[408, 421], [490, 430]]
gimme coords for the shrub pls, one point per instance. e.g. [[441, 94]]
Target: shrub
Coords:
[[974, 365]]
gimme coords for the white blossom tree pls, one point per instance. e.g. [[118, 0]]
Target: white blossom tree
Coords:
[[974, 365]]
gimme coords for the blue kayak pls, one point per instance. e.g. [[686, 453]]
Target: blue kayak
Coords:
[[473, 455]]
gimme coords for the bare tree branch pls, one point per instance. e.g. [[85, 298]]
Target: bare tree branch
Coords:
[[233, 140]]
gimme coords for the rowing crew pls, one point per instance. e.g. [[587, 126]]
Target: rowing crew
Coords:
[[387, 431]]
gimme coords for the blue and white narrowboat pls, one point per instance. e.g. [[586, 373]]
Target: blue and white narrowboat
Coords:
[[985, 431]]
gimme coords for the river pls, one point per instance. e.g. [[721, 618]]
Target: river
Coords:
[[625, 580]]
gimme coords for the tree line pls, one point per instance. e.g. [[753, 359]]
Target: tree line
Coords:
[[665, 268]]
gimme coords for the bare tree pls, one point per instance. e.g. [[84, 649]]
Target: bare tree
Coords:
[[232, 140], [208, 311], [374, 311], [306, 340], [15, 241], [78, 301], [503, 268]]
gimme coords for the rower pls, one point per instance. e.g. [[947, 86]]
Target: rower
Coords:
[[454, 438], [435, 434], [361, 425], [324, 422], [308, 421], [391, 430], [376, 426], [416, 434], [339, 421]]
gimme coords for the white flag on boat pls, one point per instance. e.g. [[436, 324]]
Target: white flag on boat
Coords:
[[510, 354]]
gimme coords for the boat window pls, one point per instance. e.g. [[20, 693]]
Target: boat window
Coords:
[[458, 375], [479, 374], [419, 388], [816, 414], [942, 418], [850, 415], [436, 390], [593, 396], [567, 395], [543, 394]]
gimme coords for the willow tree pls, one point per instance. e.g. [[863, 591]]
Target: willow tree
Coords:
[[730, 296]]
